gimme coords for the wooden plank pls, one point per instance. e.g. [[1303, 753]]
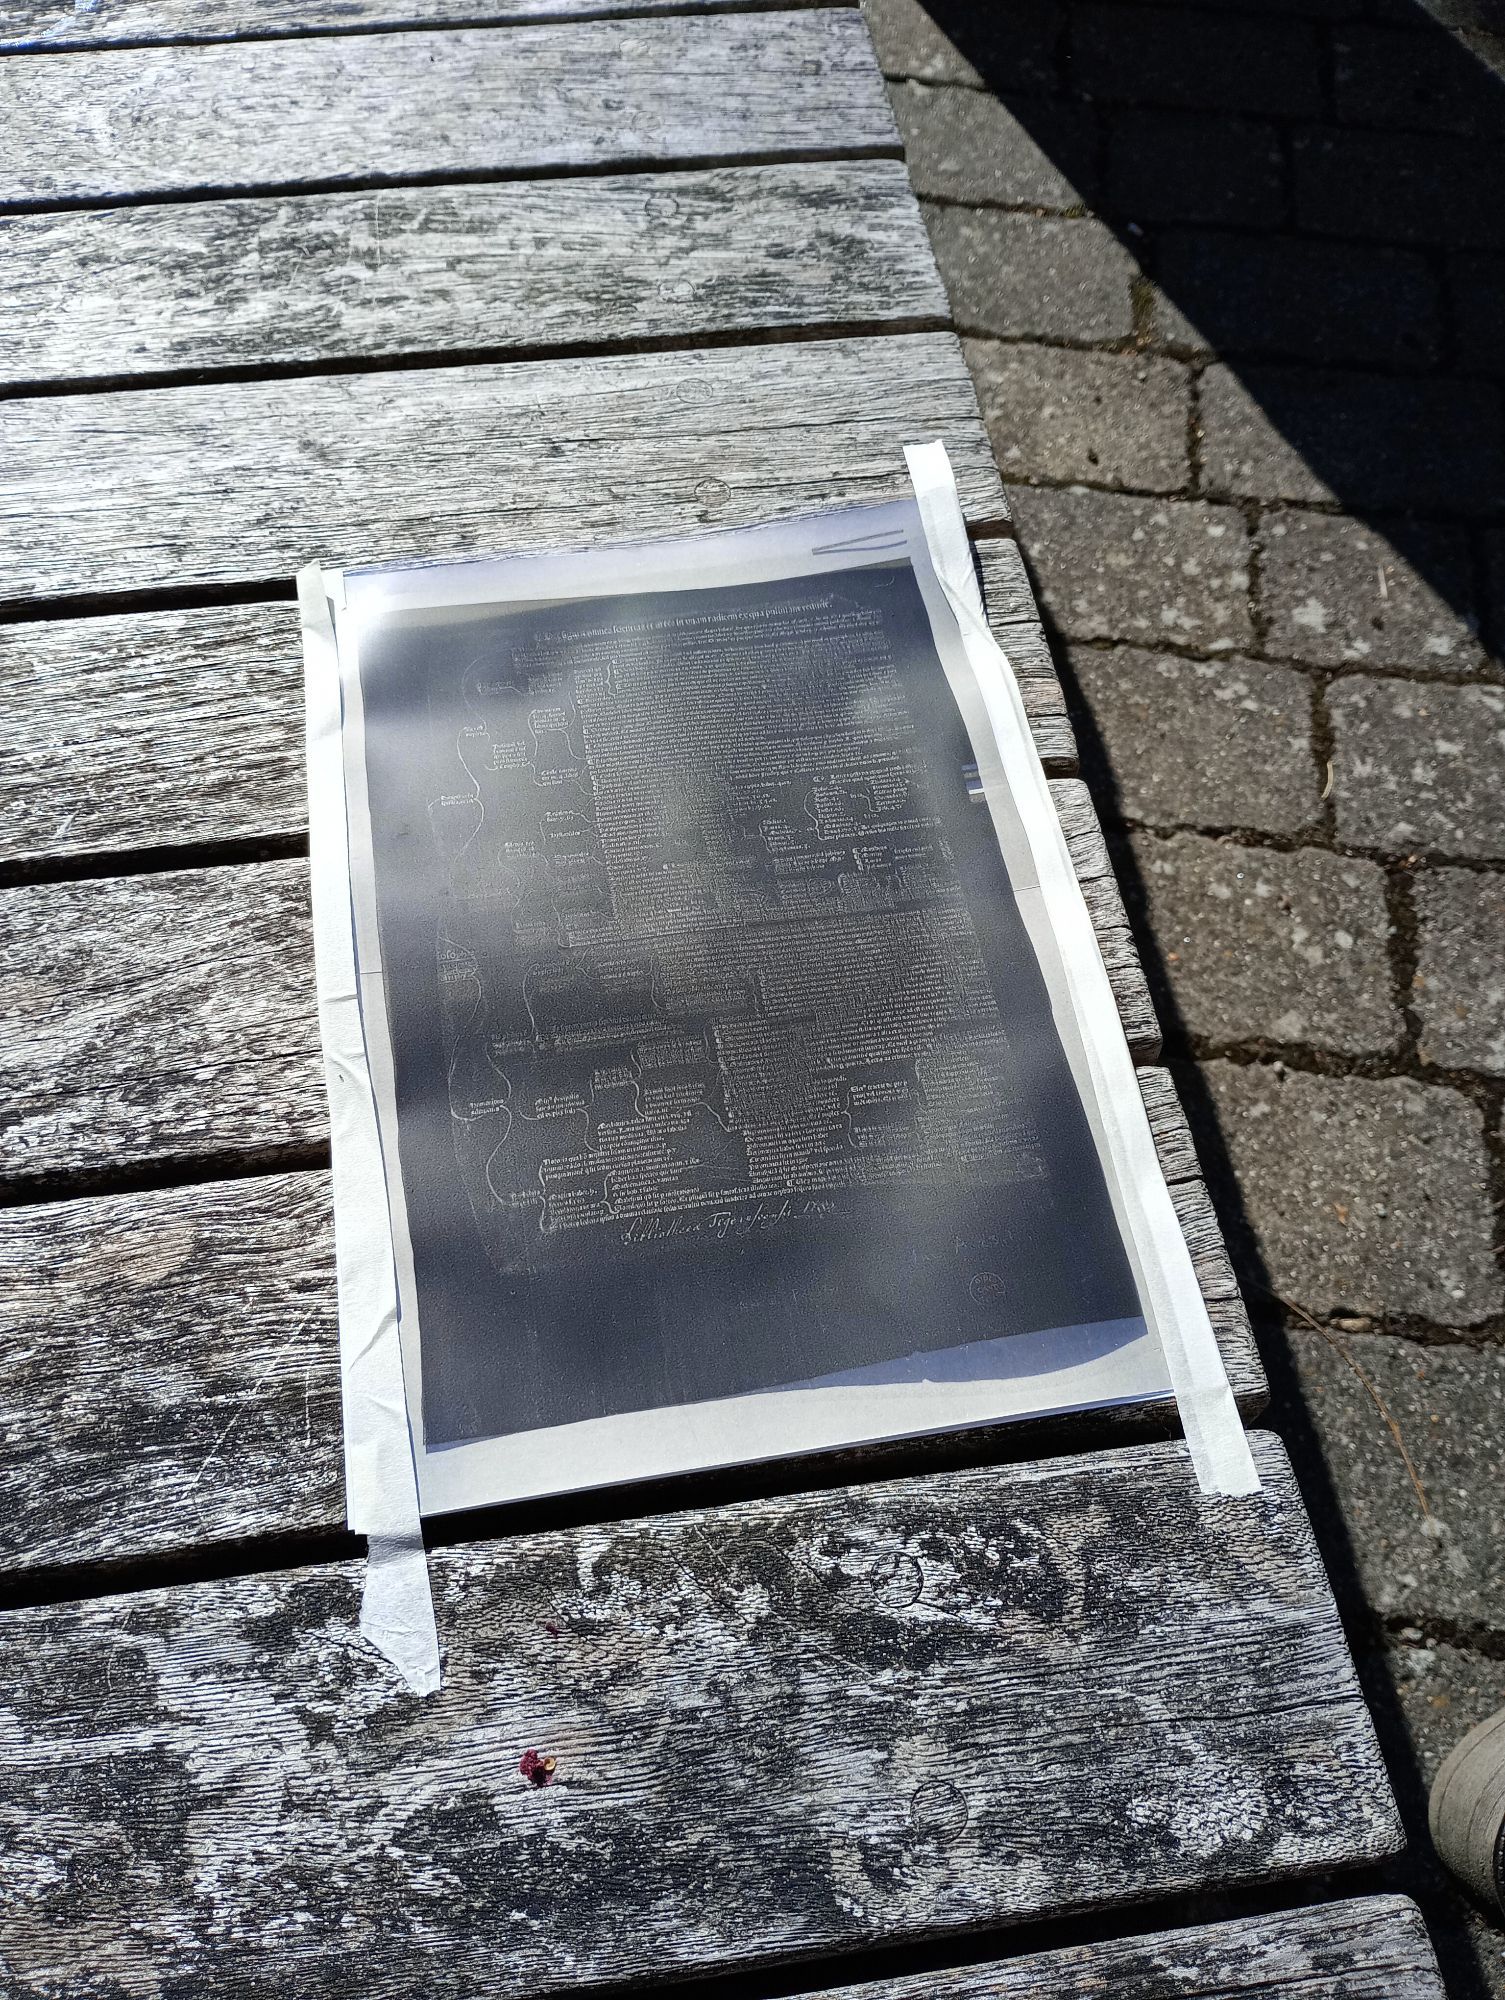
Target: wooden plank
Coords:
[[182, 729], [235, 117], [1369, 1948], [243, 482], [170, 1017], [314, 279], [172, 1374], [792, 1725], [83, 24]]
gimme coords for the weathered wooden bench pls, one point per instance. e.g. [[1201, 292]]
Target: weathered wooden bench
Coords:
[[286, 279]]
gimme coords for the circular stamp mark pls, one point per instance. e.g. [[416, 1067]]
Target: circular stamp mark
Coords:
[[892, 1580], [939, 1811]]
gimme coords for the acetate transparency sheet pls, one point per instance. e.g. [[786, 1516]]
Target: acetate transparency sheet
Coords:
[[723, 1105]]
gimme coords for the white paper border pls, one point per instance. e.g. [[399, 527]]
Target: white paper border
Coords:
[[381, 1488]]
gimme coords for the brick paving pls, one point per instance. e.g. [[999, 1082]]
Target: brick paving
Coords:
[[1232, 279]]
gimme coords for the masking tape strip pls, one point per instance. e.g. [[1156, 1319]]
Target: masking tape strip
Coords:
[[381, 1483], [1060, 927]]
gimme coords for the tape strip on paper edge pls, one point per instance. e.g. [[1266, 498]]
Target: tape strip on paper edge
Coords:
[[1087, 1015], [381, 1482]]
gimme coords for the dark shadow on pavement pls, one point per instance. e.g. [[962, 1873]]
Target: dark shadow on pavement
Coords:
[[1321, 203]]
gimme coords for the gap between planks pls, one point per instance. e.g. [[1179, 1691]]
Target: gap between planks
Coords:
[[190, 1333], [131, 24], [129, 737], [163, 1016], [1358, 1948], [414, 277], [789, 1727], [253, 116], [193, 488]]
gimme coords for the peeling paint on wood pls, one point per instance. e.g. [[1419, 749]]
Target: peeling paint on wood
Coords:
[[533, 264], [787, 1726], [173, 1374], [241, 116], [179, 729], [247, 481], [171, 1017]]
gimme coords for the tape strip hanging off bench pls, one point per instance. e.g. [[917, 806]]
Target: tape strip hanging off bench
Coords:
[[1055, 915], [381, 1482]]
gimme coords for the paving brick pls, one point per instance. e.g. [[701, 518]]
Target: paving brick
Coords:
[[1400, 187], [1460, 975], [1109, 566], [1412, 82], [1366, 441], [1335, 592], [1056, 413], [1289, 296], [1136, 55], [1032, 277], [1419, 768], [1477, 283], [1172, 741], [1365, 1198], [1449, 1404], [1259, 946], [1168, 166], [1011, 48], [968, 146]]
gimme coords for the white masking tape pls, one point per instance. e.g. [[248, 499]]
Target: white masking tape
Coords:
[[1055, 915], [381, 1484]]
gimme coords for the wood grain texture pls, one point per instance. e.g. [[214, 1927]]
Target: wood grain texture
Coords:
[[82, 24], [173, 1013], [189, 1334], [245, 482], [1369, 1948], [173, 1375], [235, 117], [170, 1017], [180, 729], [534, 264], [783, 1727]]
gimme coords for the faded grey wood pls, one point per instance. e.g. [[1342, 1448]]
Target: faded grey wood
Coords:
[[179, 729], [789, 1726], [59, 24], [172, 1374], [246, 481], [238, 116], [170, 1017], [533, 264], [1371, 1948]]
